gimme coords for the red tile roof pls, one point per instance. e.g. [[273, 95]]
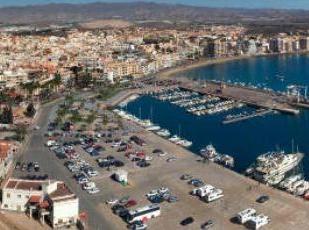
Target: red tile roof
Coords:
[[24, 184], [62, 192]]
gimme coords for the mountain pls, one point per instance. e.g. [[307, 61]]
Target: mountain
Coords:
[[141, 11]]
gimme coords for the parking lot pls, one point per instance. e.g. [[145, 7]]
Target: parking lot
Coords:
[[165, 170]]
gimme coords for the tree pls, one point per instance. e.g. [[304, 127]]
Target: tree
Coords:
[[57, 80], [6, 116], [21, 132], [30, 87], [30, 111], [105, 119]]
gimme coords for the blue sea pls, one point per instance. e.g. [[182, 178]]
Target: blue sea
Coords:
[[248, 139]]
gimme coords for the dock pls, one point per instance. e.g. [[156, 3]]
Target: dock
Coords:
[[253, 97], [247, 117]]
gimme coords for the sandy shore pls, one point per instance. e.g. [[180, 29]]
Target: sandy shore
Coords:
[[206, 62]]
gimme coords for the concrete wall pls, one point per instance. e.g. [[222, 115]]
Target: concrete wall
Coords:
[[16, 200], [64, 211]]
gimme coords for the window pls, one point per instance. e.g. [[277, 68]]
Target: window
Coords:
[[6, 206], [19, 196], [27, 197], [8, 195]]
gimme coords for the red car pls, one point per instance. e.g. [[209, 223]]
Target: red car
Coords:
[[140, 154], [130, 203]]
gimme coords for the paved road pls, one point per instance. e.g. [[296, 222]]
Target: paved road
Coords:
[[36, 151]]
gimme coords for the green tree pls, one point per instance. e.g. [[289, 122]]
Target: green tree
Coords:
[[21, 132], [105, 119], [30, 87], [30, 111], [6, 116], [57, 80]]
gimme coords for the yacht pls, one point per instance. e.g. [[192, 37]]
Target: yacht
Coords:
[[271, 165], [289, 181], [184, 143], [209, 153], [174, 138], [164, 133], [146, 123], [153, 128]]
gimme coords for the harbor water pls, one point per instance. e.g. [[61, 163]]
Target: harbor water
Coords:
[[242, 140]]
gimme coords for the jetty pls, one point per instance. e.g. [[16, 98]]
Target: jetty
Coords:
[[258, 98], [258, 113]]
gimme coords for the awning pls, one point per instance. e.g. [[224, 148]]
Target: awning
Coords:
[[35, 199]]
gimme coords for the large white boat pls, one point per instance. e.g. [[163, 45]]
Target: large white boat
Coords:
[[153, 128], [164, 133], [146, 123], [287, 183], [174, 138], [184, 143], [209, 153], [270, 166]]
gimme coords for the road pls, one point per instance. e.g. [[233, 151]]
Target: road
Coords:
[[49, 164]]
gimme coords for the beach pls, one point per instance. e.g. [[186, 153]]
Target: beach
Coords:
[[170, 72]]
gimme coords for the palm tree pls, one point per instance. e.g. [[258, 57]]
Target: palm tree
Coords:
[[30, 87], [57, 80]]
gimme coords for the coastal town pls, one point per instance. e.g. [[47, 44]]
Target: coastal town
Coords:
[[72, 155]]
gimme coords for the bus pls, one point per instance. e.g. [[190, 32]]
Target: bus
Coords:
[[144, 213]]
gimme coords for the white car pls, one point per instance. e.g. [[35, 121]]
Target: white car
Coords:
[[83, 180], [152, 193], [112, 201], [116, 144], [89, 185], [93, 190], [92, 173], [162, 154], [163, 190], [148, 158]]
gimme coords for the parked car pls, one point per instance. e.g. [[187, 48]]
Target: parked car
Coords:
[[187, 221], [112, 201], [89, 185], [17, 165], [172, 199], [171, 159], [207, 225], [118, 208], [138, 225], [262, 199], [118, 163], [186, 177], [93, 190], [130, 203]]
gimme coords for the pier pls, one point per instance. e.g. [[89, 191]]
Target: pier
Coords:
[[253, 97], [247, 117]]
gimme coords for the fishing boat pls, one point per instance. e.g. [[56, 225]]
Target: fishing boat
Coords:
[[209, 152], [163, 133], [153, 128], [174, 138]]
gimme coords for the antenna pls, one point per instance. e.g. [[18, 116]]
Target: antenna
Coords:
[[151, 113], [297, 148], [140, 113]]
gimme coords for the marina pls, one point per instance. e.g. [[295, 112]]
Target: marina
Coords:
[[243, 140]]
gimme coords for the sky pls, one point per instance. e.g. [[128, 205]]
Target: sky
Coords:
[[279, 4]]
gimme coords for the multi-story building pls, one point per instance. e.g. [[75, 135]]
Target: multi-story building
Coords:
[[7, 150], [53, 200]]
